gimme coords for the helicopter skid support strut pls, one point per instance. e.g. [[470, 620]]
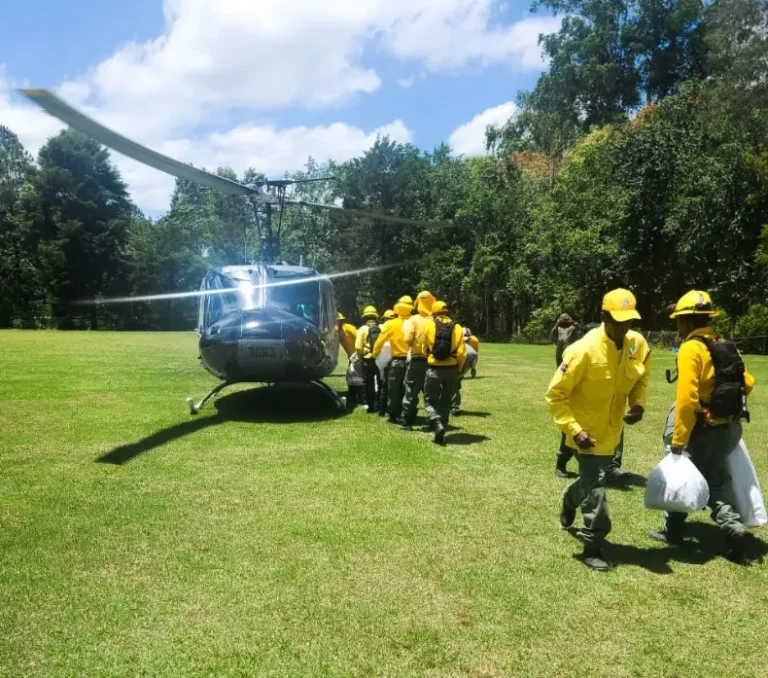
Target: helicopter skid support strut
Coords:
[[195, 408], [340, 400]]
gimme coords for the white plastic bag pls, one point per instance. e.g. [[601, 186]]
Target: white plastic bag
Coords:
[[676, 485], [385, 357], [355, 372], [743, 490]]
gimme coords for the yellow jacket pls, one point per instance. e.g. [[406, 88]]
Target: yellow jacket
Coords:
[[474, 342], [347, 336], [457, 344], [416, 335], [361, 342], [394, 332], [695, 384], [592, 390]]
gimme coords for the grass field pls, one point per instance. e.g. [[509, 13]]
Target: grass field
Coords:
[[268, 537]]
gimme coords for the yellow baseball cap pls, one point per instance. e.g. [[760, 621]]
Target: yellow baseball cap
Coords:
[[621, 304], [439, 308]]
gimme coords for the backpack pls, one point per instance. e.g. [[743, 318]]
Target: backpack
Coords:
[[729, 395], [443, 347], [373, 334]]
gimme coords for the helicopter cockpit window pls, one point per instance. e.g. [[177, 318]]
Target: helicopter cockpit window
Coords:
[[221, 303], [300, 299]]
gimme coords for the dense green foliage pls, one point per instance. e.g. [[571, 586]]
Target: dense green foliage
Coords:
[[639, 159]]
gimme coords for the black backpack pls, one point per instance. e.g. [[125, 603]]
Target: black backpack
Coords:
[[373, 334], [443, 347], [729, 395]]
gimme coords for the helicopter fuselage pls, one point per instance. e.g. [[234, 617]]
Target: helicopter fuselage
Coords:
[[267, 323]]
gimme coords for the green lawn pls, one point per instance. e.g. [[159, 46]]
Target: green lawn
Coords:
[[271, 538]]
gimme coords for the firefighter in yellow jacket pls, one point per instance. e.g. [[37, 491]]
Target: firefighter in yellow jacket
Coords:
[[347, 334], [394, 333], [364, 343], [383, 399], [708, 414], [416, 373], [447, 353], [600, 386]]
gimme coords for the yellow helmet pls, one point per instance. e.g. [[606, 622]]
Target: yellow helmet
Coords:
[[340, 316], [389, 314], [424, 301], [405, 300], [370, 312], [695, 302], [439, 308]]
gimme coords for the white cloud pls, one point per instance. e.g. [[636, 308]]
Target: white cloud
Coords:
[[216, 60], [469, 139], [216, 55], [266, 148], [406, 83]]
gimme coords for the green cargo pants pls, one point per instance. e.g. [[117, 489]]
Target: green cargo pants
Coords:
[[709, 447], [588, 493], [439, 388], [415, 375], [395, 384]]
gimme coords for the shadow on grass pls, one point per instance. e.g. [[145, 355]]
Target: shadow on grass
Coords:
[[468, 413], [704, 542], [282, 403], [465, 439], [627, 482]]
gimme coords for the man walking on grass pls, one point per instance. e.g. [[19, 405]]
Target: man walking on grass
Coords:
[[600, 386]]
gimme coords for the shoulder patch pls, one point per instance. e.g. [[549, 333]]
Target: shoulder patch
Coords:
[[564, 367]]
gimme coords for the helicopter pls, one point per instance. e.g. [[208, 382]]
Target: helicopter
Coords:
[[267, 322]]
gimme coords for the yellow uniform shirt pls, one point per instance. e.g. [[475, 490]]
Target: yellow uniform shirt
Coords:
[[592, 389], [416, 336], [361, 342], [458, 350], [695, 385], [347, 336]]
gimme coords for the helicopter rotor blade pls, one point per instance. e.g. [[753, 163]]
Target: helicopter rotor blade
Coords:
[[391, 218], [230, 290], [58, 108], [293, 182]]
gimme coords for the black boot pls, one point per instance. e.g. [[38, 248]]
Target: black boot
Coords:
[[593, 558], [439, 433], [561, 470], [741, 549], [567, 516], [665, 537]]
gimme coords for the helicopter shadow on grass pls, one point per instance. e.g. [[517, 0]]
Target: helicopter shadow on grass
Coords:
[[278, 404]]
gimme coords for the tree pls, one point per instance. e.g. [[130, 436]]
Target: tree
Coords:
[[19, 289], [79, 214]]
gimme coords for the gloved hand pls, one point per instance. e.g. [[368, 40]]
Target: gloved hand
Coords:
[[676, 450], [584, 440], [634, 415]]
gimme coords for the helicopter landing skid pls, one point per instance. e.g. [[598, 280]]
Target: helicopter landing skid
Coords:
[[194, 409], [340, 400]]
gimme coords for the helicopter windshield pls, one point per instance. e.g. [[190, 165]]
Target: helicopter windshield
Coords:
[[300, 298]]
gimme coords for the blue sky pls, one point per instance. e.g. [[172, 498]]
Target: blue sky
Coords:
[[263, 84]]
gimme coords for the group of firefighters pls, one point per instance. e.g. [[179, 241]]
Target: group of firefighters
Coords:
[[428, 352], [600, 386]]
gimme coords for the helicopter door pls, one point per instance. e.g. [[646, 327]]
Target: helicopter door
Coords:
[[328, 320]]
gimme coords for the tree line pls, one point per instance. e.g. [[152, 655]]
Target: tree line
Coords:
[[639, 159]]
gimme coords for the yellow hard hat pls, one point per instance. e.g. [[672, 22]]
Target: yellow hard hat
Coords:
[[439, 308], [621, 304], [389, 314], [424, 302], [406, 299], [340, 316], [695, 302], [370, 312]]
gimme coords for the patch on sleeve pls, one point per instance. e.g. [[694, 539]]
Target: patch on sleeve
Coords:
[[564, 368], [633, 352]]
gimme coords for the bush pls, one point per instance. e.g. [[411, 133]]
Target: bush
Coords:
[[754, 323]]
